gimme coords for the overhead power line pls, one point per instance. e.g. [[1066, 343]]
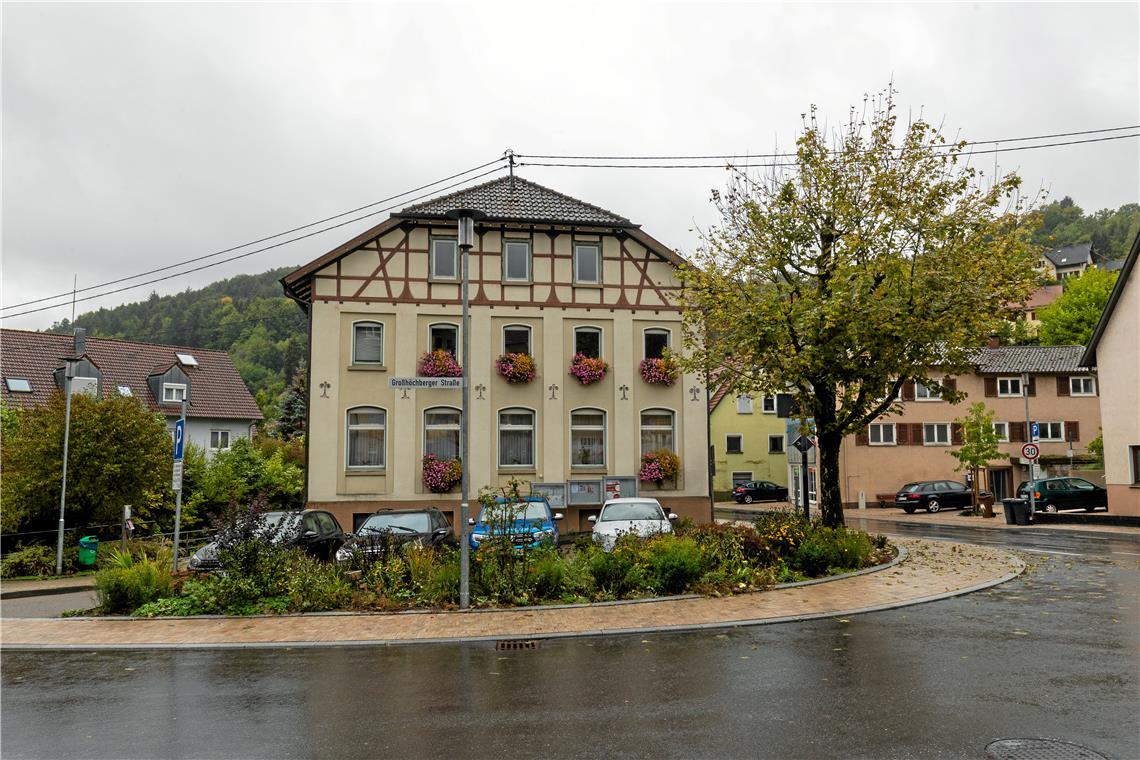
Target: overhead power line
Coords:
[[738, 156], [255, 251], [70, 293]]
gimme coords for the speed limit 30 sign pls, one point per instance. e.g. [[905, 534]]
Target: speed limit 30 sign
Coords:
[[1030, 451]]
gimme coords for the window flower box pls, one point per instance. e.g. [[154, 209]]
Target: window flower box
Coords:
[[588, 370], [663, 371], [517, 368], [439, 363], [659, 466], [441, 475]]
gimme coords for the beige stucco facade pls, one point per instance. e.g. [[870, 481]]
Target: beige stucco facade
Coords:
[[387, 280], [873, 467], [1118, 364]]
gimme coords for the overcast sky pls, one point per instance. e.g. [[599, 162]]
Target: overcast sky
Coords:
[[141, 135]]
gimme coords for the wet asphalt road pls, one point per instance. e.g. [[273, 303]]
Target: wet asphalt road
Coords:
[[1055, 653]]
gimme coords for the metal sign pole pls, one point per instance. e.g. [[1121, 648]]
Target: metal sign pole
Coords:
[[1029, 435], [69, 374], [180, 437]]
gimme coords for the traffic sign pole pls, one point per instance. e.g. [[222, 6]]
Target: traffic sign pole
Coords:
[[1029, 428], [179, 442]]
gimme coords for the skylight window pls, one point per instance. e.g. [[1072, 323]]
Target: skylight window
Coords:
[[18, 385], [187, 360], [125, 390]]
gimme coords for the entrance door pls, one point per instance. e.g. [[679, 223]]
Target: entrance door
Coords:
[[1001, 484]]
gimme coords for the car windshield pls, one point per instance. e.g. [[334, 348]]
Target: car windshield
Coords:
[[632, 510], [418, 522], [531, 510]]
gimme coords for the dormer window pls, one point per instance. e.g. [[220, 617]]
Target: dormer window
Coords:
[[88, 385], [187, 360], [173, 393]]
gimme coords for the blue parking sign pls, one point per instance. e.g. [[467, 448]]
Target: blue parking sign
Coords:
[[179, 439], [1035, 432]]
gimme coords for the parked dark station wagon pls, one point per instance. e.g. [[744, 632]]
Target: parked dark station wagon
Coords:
[[934, 496]]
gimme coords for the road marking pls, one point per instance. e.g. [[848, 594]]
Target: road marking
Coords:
[[1047, 551], [1134, 554]]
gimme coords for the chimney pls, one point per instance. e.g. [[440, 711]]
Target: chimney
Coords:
[[994, 341], [80, 341]]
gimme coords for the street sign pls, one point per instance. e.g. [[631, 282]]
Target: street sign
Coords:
[[179, 439], [176, 478], [1035, 432], [425, 383], [803, 443], [1030, 451]]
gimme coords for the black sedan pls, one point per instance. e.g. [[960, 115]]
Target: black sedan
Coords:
[[759, 490], [384, 530], [313, 531], [934, 496]]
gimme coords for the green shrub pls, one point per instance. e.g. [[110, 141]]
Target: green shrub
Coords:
[[826, 551], [782, 532], [673, 563], [549, 574], [315, 586], [124, 589], [28, 560], [615, 574]]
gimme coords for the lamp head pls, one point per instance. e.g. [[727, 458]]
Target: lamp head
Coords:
[[466, 217]]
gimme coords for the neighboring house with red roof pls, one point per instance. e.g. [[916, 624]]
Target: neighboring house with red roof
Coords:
[[220, 408]]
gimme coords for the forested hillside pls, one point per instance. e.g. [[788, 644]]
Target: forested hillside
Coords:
[[1110, 232], [264, 332]]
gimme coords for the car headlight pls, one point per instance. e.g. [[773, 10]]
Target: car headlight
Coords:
[[195, 560], [343, 554], [542, 535]]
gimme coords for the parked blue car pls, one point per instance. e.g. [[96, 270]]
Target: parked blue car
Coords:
[[529, 523]]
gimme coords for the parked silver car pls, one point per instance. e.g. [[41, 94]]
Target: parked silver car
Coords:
[[638, 516]]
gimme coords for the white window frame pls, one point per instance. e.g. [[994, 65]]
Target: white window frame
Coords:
[[1082, 380], [936, 426], [1001, 430], [1008, 392], [882, 427], [765, 406], [930, 394], [456, 426], [168, 398], [86, 384], [593, 329], [507, 243], [605, 436], [726, 443], [499, 428], [783, 449], [529, 336], [454, 258], [641, 426], [744, 404], [578, 279], [18, 384], [655, 331], [349, 427], [453, 326], [1044, 428], [219, 434], [367, 362]]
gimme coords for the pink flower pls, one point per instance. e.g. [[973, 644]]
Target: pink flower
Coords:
[[587, 370], [441, 475], [663, 371], [517, 368], [439, 363], [658, 465]]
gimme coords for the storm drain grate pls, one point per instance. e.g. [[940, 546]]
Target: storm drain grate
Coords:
[[1039, 749], [514, 645]]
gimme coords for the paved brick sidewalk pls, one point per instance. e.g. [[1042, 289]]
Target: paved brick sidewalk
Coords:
[[932, 569]]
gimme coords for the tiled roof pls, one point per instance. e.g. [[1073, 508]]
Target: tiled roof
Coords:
[[1038, 359], [1043, 296], [1110, 265], [518, 200], [1070, 256], [217, 389]]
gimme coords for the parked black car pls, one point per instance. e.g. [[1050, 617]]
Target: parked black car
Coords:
[[314, 531], [759, 490], [934, 496], [428, 527], [1054, 494]]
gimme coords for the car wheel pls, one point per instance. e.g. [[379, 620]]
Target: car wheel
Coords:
[[1050, 508], [748, 498], [908, 510], [933, 506]]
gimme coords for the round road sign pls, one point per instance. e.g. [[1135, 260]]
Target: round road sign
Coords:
[[1030, 451]]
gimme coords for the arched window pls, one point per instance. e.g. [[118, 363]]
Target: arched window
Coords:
[[588, 341], [588, 438], [657, 430], [444, 335], [366, 435], [516, 438], [441, 432], [367, 343], [516, 339], [656, 341]]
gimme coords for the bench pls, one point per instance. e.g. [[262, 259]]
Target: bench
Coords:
[[884, 499]]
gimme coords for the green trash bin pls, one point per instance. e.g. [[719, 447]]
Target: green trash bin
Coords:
[[88, 550]]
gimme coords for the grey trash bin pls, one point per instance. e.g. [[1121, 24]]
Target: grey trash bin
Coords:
[[1007, 507], [1016, 511]]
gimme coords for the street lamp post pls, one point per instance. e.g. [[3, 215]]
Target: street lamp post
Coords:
[[466, 219], [69, 375]]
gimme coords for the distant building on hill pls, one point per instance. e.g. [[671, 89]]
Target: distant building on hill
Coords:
[[220, 408]]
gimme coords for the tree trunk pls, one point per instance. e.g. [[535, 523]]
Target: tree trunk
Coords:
[[830, 497]]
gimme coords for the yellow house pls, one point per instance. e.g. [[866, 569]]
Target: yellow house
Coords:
[[749, 441], [551, 277]]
